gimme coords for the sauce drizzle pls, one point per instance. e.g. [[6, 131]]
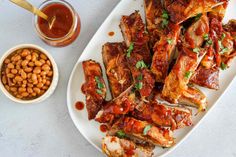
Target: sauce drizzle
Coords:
[[111, 33], [103, 128], [79, 105]]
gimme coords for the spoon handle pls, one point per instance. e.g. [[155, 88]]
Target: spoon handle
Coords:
[[26, 5]]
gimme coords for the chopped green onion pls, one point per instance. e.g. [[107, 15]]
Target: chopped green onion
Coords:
[[196, 50], [209, 42], [120, 134], [99, 91], [141, 64], [100, 85], [225, 49], [223, 66], [206, 36], [146, 129], [170, 41], [165, 17], [139, 85], [188, 74], [130, 49], [164, 23]]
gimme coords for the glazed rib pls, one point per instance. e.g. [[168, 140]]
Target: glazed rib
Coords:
[[181, 10], [94, 87], [113, 146], [139, 56], [118, 73], [187, 62], [164, 116], [117, 107], [143, 131]]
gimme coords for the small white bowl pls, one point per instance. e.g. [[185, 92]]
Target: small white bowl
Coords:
[[54, 82]]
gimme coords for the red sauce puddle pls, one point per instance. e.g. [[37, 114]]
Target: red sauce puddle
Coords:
[[79, 105], [111, 33], [103, 128]]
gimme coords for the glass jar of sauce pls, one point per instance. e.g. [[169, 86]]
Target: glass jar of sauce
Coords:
[[65, 28]]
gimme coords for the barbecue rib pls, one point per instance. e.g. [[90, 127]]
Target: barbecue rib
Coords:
[[94, 87], [118, 73], [143, 131]]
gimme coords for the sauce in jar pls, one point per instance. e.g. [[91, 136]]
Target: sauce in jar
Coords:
[[79, 105], [66, 26], [62, 24]]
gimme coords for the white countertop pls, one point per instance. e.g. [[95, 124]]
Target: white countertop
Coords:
[[46, 129]]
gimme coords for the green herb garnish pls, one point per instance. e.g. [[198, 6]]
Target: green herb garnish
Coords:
[[130, 49], [188, 74], [223, 49], [209, 42], [165, 18], [196, 50], [170, 41], [140, 77], [139, 85], [141, 64], [197, 17], [99, 91], [223, 66], [146, 129], [120, 134], [223, 36], [100, 85], [206, 36]]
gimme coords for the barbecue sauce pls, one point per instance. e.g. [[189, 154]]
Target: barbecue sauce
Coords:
[[79, 105]]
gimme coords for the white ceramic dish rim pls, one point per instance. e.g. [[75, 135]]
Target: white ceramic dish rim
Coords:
[[53, 85], [74, 119]]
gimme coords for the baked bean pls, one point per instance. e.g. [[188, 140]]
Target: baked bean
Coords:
[[13, 89], [4, 79], [18, 79], [19, 96], [7, 70], [44, 81], [7, 61], [37, 90], [50, 73], [28, 57], [29, 90], [43, 56], [23, 75], [33, 58], [7, 87], [33, 94], [46, 67], [24, 82], [10, 75], [24, 94], [45, 87], [40, 79], [14, 71], [21, 89], [10, 66], [24, 63], [18, 67], [31, 64], [40, 85], [30, 85], [37, 70], [28, 69], [48, 62], [42, 61], [23, 85], [35, 82], [35, 54], [29, 75], [43, 73], [25, 52], [38, 63], [17, 58], [34, 77], [48, 83]]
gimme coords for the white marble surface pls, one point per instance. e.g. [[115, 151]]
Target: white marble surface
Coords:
[[46, 130]]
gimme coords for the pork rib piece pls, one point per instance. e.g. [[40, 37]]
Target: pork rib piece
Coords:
[[94, 87]]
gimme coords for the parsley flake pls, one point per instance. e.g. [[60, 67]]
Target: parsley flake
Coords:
[[196, 50], [100, 85], [140, 77], [209, 42], [170, 41], [99, 91], [197, 17], [165, 14], [130, 49], [146, 129], [139, 85], [223, 66], [165, 18], [188, 74], [141, 64], [120, 134], [206, 36], [223, 36]]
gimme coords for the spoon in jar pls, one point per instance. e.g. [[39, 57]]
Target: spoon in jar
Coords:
[[26, 5]]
